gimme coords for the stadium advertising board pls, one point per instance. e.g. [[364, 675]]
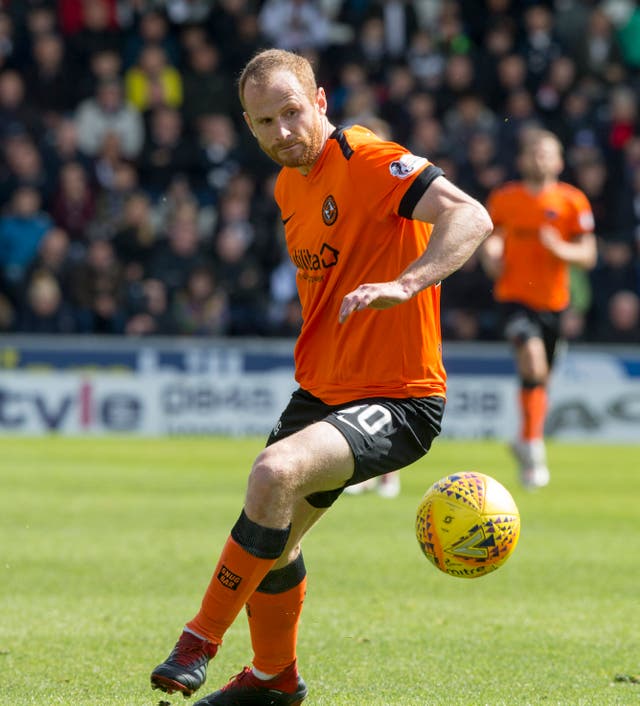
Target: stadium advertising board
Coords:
[[170, 389], [163, 404]]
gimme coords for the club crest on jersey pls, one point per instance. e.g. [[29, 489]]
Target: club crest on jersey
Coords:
[[406, 165], [329, 211]]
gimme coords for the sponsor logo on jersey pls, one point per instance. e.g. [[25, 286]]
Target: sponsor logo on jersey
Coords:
[[305, 259], [406, 165], [329, 211]]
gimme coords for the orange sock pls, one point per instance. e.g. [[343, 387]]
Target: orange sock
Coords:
[[246, 558], [274, 617], [533, 404]]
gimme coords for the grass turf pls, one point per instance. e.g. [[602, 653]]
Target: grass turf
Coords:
[[106, 546]]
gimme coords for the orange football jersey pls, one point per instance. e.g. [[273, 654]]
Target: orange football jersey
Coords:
[[348, 222], [532, 275]]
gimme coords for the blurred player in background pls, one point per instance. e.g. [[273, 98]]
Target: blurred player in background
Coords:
[[542, 227], [372, 229]]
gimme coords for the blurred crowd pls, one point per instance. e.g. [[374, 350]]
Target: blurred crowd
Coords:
[[134, 200]]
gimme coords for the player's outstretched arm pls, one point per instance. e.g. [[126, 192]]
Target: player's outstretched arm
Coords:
[[491, 254], [581, 251], [460, 224]]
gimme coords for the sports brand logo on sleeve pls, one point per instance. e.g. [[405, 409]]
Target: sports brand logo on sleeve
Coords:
[[406, 165]]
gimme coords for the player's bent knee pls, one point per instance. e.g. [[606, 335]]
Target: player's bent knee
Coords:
[[271, 471]]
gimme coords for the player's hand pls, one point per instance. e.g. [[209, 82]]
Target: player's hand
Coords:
[[379, 295], [491, 256], [551, 239]]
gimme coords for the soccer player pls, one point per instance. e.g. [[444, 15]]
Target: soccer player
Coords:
[[373, 230], [542, 226]]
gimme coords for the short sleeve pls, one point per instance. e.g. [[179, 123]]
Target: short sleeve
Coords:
[[389, 176]]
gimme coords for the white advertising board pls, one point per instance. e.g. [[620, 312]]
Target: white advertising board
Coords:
[[171, 404], [593, 396]]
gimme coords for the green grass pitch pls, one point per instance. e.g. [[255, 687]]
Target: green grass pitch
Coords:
[[106, 546]]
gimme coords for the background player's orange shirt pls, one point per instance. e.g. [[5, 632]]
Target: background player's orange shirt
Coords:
[[531, 274], [343, 228]]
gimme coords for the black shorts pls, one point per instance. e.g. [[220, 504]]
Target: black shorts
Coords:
[[384, 433], [521, 323]]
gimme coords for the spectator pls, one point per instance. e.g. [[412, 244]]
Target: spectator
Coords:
[[98, 290], [38, 19], [591, 176], [459, 79], [628, 34], [104, 65], [351, 78], [511, 76], [74, 204], [208, 88], [361, 106], [467, 310], [400, 21], [619, 121], [394, 107], [193, 11], [483, 169], [499, 43], [282, 294], [425, 60], [467, 117], [615, 271], [622, 324], [235, 208], [297, 25], [135, 238], [452, 33], [575, 124], [597, 50], [148, 310], [180, 252], [200, 308], [152, 82], [219, 154], [7, 312], [23, 166], [241, 277], [45, 310], [50, 80], [112, 198], [7, 41], [540, 43], [370, 50], [54, 257], [16, 115], [152, 27], [93, 29], [61, 146], [108, 160], [235, 30], [167, 152], [22, 229], [107, 113], [559, 80], [427, 137]]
